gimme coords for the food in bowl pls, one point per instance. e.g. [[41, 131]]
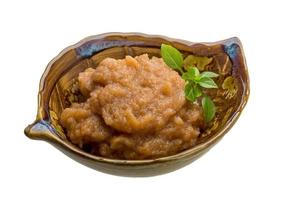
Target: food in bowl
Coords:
[[134, 108]]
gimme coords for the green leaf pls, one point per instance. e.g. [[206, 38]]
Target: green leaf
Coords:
[[186, 76], [172, 57], [192, 91], [189, 92], [208, 108], [192, 74], [207, 82], [197, 91], [209, 74]]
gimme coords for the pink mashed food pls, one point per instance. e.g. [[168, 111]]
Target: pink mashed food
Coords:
[[135, 109]]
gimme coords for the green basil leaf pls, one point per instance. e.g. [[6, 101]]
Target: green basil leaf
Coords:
[[209, 74], [193, 71], [208, 108], [186, 76], [207, 82], [192, 74], [197, 91], [172, 57], [192, 91], [189, 92]]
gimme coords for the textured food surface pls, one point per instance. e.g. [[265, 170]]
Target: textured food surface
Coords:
[[135, 108]]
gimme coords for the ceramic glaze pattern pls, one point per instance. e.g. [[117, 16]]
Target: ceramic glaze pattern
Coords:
[[89, 48]]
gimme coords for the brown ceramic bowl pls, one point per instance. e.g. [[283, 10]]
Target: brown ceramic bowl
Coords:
[[58, 88]]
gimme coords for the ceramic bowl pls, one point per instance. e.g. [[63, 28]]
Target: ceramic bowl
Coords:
[[58, 89]]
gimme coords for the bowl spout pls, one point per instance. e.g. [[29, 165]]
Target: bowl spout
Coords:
[[39, 130]]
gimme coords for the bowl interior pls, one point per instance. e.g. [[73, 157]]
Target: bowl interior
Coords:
[[225, 58]]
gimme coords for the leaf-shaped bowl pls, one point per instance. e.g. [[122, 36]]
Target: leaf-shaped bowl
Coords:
[[58, 88]]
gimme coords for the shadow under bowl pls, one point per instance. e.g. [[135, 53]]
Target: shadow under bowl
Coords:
[[58, 89]]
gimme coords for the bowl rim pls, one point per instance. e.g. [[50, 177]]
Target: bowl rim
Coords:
[[49, 134]]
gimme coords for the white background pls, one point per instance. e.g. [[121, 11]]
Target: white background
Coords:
[[249, 163]]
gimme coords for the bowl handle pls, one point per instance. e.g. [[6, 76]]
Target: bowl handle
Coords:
[[40, 130]]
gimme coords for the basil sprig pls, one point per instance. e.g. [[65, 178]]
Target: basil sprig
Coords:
[[195, 80]]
